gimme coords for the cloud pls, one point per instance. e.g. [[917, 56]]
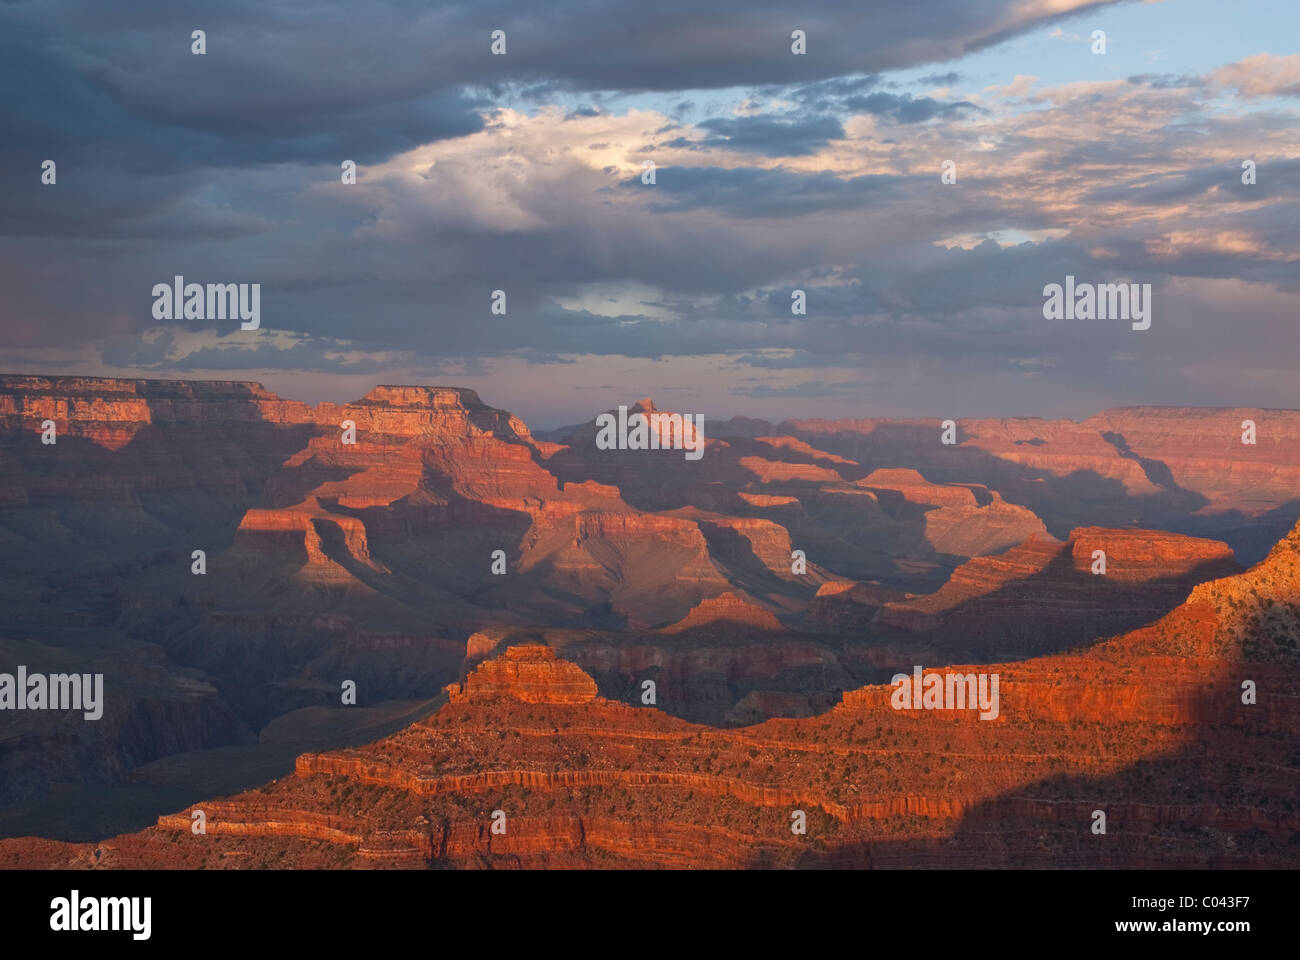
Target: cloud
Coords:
[[307, 78], [177, 349], [904, 108], [771, 136], [1019, 87], [939, 79], [1262, 75], [522, 173], [759, 192]]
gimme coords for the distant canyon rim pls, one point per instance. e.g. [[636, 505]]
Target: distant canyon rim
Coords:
[[790, 571]]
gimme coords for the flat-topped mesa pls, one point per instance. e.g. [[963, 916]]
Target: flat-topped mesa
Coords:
[[916, 489], [80, 404], [111, 413], [766, 499], [1133, 554], [92, 387], [781, 471], [420, 396], [404, 411], [101, 408], [530, 673], [1179, 431]]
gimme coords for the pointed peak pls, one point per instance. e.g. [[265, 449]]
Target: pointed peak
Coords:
[[731, 607]]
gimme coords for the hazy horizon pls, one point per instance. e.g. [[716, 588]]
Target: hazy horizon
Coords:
[[541, 424]]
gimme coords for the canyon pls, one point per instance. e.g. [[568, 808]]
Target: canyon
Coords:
[[1150, 728], [372, 563]]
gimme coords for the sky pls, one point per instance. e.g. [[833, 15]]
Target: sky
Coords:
[[773, 172]]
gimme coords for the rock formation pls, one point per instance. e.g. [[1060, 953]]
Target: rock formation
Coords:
[[447, 533], [1152, 728]]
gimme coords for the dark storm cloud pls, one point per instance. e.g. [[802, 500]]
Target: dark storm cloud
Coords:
[[137, 98], [1275, 180], [225, 168], [326, 53], [771, 136], [135, 352], [136, 122], [905, 108], [823, 96], [301, 78]]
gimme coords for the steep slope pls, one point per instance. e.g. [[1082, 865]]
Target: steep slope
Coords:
[[327, 562], [1151, 728], [1044, 596]]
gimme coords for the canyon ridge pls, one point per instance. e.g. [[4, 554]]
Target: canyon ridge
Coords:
[[767, 591]]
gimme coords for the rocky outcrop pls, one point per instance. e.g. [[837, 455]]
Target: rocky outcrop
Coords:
[[1184, 469], [530, 674], [1044, 596], [447, 532], [773, 471], [702, 673], [766, 500], [1150, 727], [796, 445], [964, 520], [729, 608]]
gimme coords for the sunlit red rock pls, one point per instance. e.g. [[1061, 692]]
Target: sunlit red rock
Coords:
[[375, 562], [1149, 727]]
